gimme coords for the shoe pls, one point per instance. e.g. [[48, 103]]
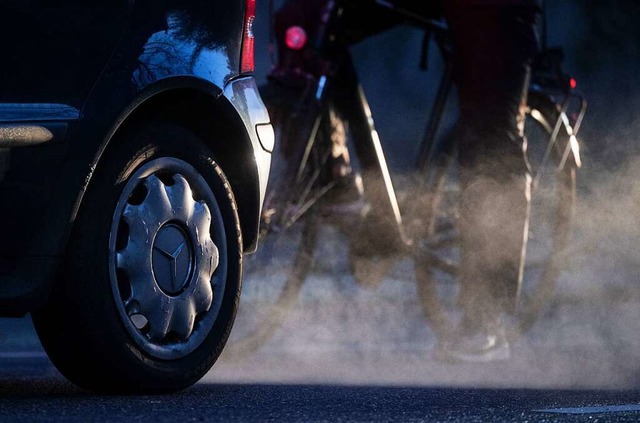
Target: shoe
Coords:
[[480, 346]]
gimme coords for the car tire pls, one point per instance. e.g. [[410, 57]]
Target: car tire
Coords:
[[150, 283]]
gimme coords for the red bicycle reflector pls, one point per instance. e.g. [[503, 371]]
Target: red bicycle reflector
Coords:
[[573, 83], [295, 37]]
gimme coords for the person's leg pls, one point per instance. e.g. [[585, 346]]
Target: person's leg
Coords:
[[494, 47]]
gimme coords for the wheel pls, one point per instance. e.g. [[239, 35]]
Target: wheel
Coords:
[[151, 278], [552, 203], [274, 274]]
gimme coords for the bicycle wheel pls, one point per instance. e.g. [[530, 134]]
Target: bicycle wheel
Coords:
[[552, 203], [274, 274]]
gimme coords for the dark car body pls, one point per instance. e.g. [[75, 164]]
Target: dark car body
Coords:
[[75, 75]]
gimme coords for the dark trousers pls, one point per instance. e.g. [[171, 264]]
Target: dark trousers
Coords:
[[494, 46]]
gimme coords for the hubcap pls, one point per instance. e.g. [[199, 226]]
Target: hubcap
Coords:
[[166, 265]]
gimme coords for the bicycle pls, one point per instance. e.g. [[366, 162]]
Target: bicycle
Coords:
[[311, 96]]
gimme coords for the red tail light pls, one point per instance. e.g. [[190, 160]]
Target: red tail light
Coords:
[[295, 38], [573, 83], [247, 62]]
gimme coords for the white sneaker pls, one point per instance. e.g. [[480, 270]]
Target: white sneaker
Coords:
[[483, 346]]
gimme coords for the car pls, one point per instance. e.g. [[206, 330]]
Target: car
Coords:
[[134, 155]]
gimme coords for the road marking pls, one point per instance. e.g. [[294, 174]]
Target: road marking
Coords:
[[593, 410]]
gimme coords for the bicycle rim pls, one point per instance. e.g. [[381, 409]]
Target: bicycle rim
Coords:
[[552, 205], [438, 249]]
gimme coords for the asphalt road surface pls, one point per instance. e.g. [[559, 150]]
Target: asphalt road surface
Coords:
[[48, 398]]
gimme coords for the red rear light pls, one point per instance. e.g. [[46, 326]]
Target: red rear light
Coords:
[[295, 38], [573, 83], [247, 62]]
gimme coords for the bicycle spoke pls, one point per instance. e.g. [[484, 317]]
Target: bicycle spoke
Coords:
[[305, 207], [310, 194], [314, 178]]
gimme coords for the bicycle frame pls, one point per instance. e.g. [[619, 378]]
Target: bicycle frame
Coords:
[[332, 71], [311, 88]]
